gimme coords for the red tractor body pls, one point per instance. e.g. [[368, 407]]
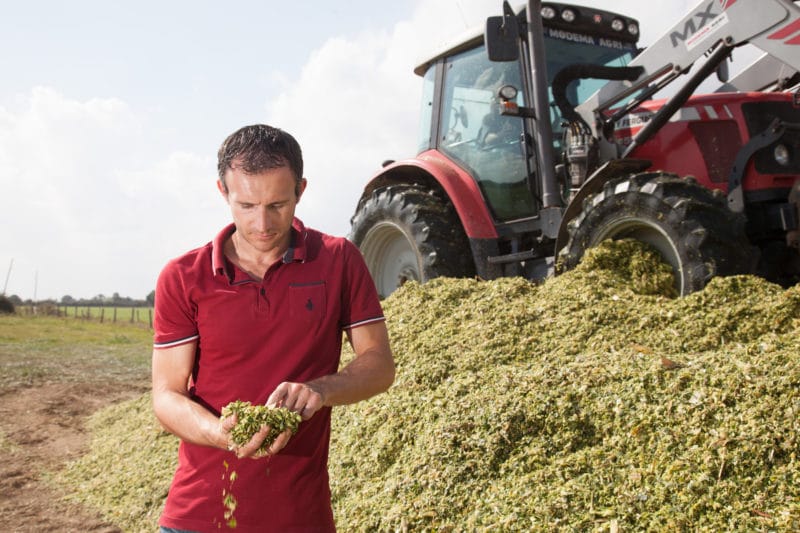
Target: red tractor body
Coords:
[[536, 145]]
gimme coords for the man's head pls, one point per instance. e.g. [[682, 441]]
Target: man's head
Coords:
[[261, 178], [257, 148]]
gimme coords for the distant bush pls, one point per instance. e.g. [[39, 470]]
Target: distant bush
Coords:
[[6, 306], [47, 308]]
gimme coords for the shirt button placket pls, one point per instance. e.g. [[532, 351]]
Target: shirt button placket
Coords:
[[262, 302]]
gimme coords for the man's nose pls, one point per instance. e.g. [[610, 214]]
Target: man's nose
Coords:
[[264, 220]]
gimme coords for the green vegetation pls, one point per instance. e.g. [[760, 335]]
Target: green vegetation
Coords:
[[249, 421], [592, 402], [100, 313], [6, 305], [6, 446], [251, 418], [588, 403], [130, 314], [39, 349]]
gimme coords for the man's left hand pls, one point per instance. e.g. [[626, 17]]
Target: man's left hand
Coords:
[[298, 397]]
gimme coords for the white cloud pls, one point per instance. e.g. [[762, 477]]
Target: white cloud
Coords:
[[349, 111], [79, 206], [355, 105], [52, 150]]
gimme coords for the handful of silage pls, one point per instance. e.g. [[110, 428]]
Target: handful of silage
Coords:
[[251, 418]]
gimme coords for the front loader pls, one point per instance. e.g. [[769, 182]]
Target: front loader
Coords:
[[545, 134]]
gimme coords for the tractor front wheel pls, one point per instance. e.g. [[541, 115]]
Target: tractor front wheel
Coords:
[[406, 233], [688, 224]]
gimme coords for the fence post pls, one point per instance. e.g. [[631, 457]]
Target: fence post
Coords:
[[150, 313]]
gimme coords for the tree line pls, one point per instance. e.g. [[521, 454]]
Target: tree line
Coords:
[[101, 300]]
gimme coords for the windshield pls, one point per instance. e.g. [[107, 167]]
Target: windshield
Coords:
[[563, 48], [484, 142], [489, 145]]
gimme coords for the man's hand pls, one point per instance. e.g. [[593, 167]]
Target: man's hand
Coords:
[[251, 449], [298, 397], [369, 373]]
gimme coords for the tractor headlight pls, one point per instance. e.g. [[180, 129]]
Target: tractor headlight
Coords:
[[782, 155], [569, 15], [548, 13], [507, 92], [617, 25], [633, 29]]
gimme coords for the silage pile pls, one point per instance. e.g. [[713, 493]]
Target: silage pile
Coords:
[[126, 474], [580, 405], [593, 402]]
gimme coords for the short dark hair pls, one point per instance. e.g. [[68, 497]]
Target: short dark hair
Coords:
[[260, 147]]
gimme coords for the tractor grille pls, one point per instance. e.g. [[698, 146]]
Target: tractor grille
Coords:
[[719, 142], [758, 116]]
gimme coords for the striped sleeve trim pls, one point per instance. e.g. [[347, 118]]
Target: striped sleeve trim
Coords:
[[364, 322], [170, 344]]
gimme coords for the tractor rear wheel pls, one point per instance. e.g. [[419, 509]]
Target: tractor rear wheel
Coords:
[[406, 233], [690, 225]]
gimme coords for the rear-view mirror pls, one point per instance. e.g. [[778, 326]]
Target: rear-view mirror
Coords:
[[501, 36]]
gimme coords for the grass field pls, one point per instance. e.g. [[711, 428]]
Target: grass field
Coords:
[[38, 349], [132, 315]]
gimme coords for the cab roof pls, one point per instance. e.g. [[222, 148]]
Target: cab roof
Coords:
[[588, 20]]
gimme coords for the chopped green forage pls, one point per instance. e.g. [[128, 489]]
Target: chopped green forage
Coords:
[[251, 418], [249, 421], [596, 401]]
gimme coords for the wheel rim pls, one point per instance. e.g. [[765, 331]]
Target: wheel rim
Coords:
[[391, 257], [654, 235]]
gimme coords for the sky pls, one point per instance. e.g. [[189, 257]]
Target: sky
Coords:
[[111, 114]]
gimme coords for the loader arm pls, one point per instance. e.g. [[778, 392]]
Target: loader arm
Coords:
[[766, 74], [771, 25]]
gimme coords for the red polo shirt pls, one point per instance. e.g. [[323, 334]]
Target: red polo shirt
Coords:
[[251, 336]]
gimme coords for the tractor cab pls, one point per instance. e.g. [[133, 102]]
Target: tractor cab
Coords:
[[461, 115]]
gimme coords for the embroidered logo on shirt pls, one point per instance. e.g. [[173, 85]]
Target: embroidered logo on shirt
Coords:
[[307, 302]]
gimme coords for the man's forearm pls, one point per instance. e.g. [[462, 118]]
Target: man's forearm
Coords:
[[365, 376], [187, 419]]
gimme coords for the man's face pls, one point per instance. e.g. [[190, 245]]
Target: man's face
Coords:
[[262, 206]]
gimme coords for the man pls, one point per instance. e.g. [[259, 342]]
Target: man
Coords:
[[257, 315]]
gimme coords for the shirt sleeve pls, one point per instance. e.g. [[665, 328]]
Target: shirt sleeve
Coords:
[[360, 302], [174, 317]]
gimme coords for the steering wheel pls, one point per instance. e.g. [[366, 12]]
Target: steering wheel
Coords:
[[460, 115]]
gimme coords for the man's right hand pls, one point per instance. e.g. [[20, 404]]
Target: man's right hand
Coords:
[[251, 449]]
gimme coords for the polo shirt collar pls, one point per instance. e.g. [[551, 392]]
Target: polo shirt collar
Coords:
[[297, 244], [296, 252]]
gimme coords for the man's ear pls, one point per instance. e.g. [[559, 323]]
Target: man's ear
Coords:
[[222, 189], [300, 188]]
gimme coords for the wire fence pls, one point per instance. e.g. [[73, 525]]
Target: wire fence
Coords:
[[133, 315]]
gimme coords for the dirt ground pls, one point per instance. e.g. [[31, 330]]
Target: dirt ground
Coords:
[[44, 427]]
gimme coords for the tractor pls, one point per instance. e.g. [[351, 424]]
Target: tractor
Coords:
[[545, 132]]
